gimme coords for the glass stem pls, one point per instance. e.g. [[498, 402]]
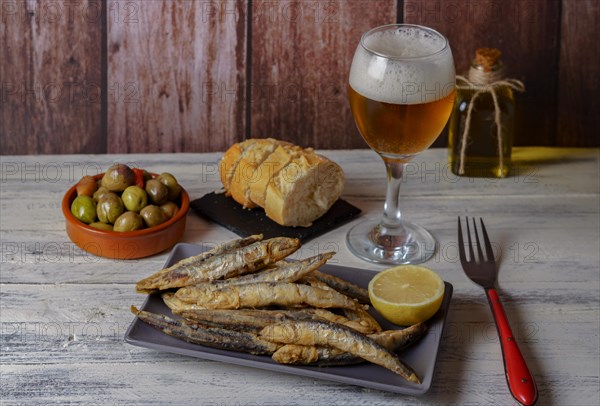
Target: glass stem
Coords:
[[391, 210]]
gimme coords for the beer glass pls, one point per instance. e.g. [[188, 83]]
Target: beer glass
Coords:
[[401, 91]]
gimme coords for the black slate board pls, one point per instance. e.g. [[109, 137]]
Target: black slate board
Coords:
[[227, 212]]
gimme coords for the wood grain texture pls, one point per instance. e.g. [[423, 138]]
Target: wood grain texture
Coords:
[[301, 56], [527, 34], [579, 75], [63, 313], [50, 77], [176, 75], [183, 75]]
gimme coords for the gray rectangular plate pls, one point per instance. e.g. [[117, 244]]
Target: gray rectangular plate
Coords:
[[421, 356]]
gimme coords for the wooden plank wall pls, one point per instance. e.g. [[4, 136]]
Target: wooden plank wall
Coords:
[[579, 77], [176, 75], [118, 76], [50, 77], [299, 91], [527, 34]]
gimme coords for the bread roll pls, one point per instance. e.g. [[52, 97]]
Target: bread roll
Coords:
[[226, 166], [253, 155], [295, 186], [229, 162], [275, 162], [303, 190]]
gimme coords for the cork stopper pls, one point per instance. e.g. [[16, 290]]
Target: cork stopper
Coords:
[[487, 58]]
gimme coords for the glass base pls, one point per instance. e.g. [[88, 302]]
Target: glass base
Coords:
[[407, 244]]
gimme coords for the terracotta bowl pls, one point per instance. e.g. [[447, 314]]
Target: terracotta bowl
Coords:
[[125, 245]]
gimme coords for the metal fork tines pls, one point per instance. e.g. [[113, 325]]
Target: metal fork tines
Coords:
[[482, 270]]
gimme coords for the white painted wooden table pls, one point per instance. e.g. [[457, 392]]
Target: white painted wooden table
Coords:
[[64, 312]]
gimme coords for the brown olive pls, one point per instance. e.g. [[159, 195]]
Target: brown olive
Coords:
[[100, 192], [171, 183], [157, 192], [147, 175], [129, 221], [86, 186], [109, 208], [118, 177], [169, 209], [102, 226], [153, 215]]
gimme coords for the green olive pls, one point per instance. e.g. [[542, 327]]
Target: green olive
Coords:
[[109, 208], [118, 177], [100, 192], [157, 192], [102, 226], [169, 209], [153, 215], [84, 209], [171, 183], [134, 198], [129, 221]]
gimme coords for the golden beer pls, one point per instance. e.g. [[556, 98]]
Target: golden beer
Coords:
[[401, 90], [400, 129]]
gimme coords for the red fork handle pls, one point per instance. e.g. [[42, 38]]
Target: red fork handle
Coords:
[[519, 379]]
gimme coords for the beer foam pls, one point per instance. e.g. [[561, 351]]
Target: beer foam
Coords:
[[418, 68]]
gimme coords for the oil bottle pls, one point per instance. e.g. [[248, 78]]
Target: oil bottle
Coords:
[[480, 134]]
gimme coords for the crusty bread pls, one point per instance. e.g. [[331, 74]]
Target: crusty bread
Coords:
[[295, 186], [253, 155], [303, 190], [229, 162], [276, 161]]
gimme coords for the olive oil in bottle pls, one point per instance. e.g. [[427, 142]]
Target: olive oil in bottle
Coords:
[[475, 145]]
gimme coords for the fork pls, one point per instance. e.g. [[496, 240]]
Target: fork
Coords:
[[482, 270]]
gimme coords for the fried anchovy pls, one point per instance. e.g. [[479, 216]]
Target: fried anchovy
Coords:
[[358, 319], [317, 355], [362, 317], [340, 337], [357, 325], [246, 319], [197, 259], [343, 286], [399, 340], [233, 263], [263, 294], [312, 281], [177, 306], [282, 272], [218, 250], [255, 320], [211, 337]]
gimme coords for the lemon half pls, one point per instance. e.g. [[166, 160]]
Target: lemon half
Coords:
[[406, 294]]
